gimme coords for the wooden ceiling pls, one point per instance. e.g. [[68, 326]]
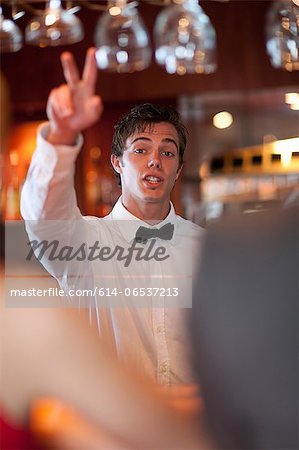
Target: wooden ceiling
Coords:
[[242, 61]]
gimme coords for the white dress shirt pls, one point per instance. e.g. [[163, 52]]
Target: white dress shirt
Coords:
[[147, 331]]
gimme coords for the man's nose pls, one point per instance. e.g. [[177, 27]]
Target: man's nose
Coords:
[[154, 161]]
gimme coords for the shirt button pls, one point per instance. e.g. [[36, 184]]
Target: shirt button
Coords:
[[159, 329], [163, 368]]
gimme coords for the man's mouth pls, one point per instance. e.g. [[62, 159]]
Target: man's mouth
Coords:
[[152, 179]]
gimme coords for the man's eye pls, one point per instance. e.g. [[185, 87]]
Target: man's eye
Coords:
[[139, 150], [168, 153]]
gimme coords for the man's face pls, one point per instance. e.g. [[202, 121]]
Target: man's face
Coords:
[[149, 166]]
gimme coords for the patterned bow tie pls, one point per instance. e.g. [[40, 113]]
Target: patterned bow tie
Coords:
[[165, 232]]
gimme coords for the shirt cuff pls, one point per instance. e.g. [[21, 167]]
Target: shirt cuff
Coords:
[[62, 157]]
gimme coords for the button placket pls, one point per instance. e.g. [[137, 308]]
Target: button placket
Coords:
[[158, 314]]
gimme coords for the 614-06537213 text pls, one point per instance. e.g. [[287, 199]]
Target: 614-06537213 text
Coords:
[[140, 292]]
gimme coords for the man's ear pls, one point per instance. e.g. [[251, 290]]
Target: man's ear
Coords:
[[115, 161], [178, 171]]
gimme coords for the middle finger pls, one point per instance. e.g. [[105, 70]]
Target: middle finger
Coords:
[[70, 69]]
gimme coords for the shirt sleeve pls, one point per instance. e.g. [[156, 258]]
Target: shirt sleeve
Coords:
[[48, 192], [53, 221]]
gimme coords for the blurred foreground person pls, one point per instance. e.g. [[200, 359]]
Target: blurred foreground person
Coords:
[[52, 354], [245, 330]]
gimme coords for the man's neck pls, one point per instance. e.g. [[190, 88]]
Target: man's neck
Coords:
[[150, 213]]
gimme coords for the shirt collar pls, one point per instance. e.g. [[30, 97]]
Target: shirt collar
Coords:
[[128, 224]]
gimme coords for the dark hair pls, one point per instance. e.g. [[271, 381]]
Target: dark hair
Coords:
[[141, 117]]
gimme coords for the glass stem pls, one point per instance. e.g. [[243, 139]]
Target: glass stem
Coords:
[[54, 4], [120, 3]]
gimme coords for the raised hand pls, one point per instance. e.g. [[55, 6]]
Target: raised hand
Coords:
[[73, 107]]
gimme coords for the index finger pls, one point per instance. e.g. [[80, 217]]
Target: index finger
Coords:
[[70, 69], [90, 70]]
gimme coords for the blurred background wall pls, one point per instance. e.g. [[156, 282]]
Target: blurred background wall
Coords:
[[245, 84]]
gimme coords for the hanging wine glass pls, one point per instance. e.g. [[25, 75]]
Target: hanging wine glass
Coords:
[[282, 35], [11, 39], [185, 39], [54, 27], [122, 41]]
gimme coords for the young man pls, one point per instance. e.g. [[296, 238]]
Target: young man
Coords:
[[136, 262]]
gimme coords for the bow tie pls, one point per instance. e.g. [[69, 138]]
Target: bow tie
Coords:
[[165, 232]]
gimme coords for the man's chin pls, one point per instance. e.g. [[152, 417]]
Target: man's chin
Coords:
[[153, 197]]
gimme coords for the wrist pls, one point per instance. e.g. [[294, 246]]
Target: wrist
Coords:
[[61, 136]]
